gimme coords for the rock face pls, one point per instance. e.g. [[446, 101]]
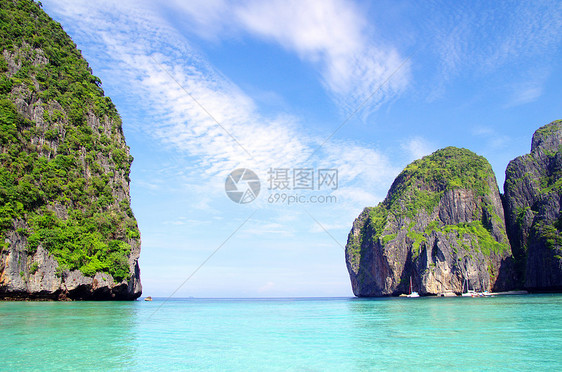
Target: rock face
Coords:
[[66, 227], [533, 199], [440, 226]]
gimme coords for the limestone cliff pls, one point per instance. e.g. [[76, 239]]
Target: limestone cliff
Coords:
[[533, 200], [441, 224], [66, 226]]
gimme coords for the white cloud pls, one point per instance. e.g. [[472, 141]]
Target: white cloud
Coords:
[[531, 28], [332, 35], [493, 140], [139, 51], [475, 39], [205, 17], [480, 130], [186, 95], [417, 147], [525, 93], [317, 228], [153, 186], [268, 228]]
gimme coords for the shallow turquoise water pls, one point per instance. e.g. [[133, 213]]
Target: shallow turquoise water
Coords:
[[509, 333]]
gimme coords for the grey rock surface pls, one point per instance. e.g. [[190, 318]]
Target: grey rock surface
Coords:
[[533, 195], [440, 226]]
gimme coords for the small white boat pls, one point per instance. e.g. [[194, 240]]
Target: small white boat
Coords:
[[469, 292], [412, 294]]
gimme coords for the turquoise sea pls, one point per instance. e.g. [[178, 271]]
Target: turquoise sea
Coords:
[[341, 334]]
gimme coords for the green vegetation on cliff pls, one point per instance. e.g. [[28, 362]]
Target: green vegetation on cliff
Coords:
[[420, 188], [441, 223], [533, 190], [64, 166], [422, 183], [550, 129]]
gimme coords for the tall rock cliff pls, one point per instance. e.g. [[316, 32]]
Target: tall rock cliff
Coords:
[[440, 226], [533, 200], [66, 226]]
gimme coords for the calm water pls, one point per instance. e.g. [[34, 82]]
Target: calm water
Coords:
[[509, 333]]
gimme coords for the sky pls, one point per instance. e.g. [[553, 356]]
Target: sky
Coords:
[[325, 101]]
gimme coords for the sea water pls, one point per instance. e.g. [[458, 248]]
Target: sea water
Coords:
[[340, 334]]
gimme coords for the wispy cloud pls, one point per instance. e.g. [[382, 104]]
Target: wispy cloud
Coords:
[[417, 147], [157, 65], [478, 39], [332, 35], [525, 94], [528, 29], [493, 140], [527, 88]]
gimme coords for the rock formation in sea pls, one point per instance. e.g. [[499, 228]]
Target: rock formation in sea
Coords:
[[533, 200], [440, 226], [67, 230]]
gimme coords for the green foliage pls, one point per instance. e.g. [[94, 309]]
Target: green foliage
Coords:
[[549, 129], [419, 200], [372, 228], [484, 239], [520, 213], [377, 220], [5, 84], [433, 225], [553, 183], [550, 233], [82, 243], [420, 188], [558, 222], [422, 183], [3, 64], [451, 168], [33, 268], [387, 238], [474, 231], [44, 166], [417, 238]]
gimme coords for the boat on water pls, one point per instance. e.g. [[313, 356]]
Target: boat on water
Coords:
[[412, 293], [472, 293], [469, 292]]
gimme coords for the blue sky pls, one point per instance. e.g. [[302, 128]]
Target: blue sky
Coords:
[[208, 86]]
